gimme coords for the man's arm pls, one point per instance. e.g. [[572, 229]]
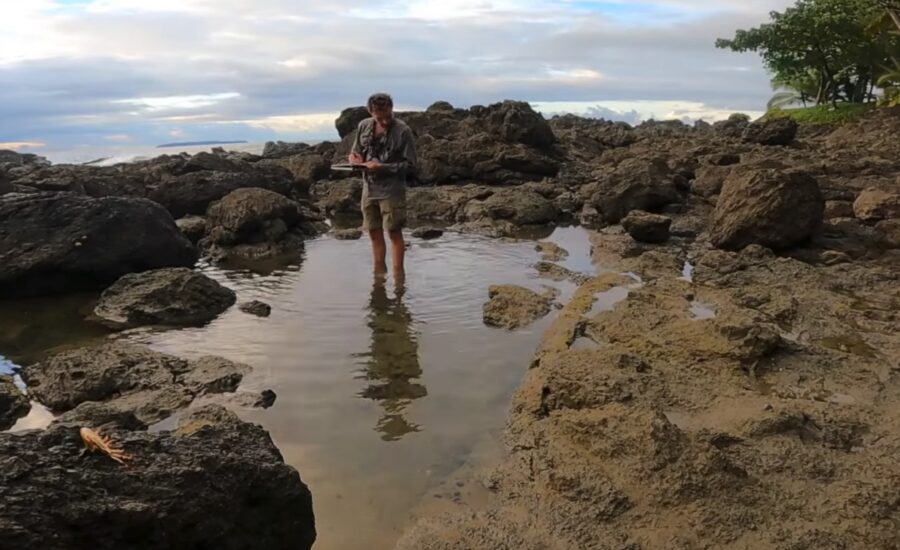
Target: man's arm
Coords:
[[408, 152]]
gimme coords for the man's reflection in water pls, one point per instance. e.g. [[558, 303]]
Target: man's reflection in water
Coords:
[[392, 364]]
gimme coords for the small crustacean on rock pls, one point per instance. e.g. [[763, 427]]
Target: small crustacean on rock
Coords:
[[93, 441]]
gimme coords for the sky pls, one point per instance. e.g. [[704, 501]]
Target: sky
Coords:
[[95, 73]]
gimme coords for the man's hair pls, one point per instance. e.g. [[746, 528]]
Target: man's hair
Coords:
[[380, 101]]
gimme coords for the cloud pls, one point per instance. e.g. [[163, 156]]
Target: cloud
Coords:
[[16, 145], [73, 72]]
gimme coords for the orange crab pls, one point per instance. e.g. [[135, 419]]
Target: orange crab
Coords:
[[93, 441]]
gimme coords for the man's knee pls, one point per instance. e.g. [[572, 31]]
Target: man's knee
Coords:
[[396, 235]]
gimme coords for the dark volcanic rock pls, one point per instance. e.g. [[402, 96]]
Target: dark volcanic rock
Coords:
[[13, 404], [52, 243], [193, 227], [171, 296], [349, 119], [427, 233], [260, 309], [774, 208], [255, 223], [647, 228], [307, 168], [128, 378], [281, 149], [733, 127], [635, 184], [775, 131], [217, 483], [340, 197]]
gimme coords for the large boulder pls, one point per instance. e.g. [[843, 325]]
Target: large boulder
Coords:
[[282, 149], [255, 223], [128, 378], [59, 242], [349, 119], [13, 403], [339, 197], [646, 227], [708, 180], [306, 168], [635, 184], [216, 482], [733, 127], [193, 192], [517, 205], [874, 204], [170, 296], [773, 131], [773, 208], [512, 306]]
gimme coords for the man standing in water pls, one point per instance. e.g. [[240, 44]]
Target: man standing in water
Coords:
[[386, 146]]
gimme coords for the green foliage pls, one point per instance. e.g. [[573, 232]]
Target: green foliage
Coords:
[[831, 43], [824, 114]]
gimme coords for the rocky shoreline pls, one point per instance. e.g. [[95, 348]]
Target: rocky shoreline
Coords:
[[661, 429]]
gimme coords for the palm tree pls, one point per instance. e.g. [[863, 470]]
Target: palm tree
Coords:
[[794, 89]]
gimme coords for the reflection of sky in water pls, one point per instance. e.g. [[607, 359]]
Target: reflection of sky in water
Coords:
[[6, 366], [380, 394]]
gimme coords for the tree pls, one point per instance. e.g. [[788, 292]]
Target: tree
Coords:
[[789, 91], [831, 38]]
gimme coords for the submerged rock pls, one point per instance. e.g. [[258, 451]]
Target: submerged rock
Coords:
[[171, 296], [60, 242], [551, 252], [13, 403], [347, 234], [219, 483], [774, 208], [260, 309], [647, 228], [128, 378], [427, 233], [512, 306]]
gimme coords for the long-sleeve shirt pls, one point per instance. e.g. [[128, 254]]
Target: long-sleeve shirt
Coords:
[[395, 150]]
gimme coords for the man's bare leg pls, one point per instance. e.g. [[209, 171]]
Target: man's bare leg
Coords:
[[398, 251], [379, 249]]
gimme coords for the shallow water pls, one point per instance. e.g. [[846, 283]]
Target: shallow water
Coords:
[[383, 390]]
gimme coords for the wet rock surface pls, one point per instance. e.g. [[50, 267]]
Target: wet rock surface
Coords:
[[216, 481], [128, 378], [255, 223], [427, 233], [255, 307], [512, 306], [13, 403], [172, 296], [58, 242]]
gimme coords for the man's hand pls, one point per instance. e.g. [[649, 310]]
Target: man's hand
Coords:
[[356, 158], [372, 165]]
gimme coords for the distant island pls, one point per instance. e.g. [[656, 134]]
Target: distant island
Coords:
[[198, 143]]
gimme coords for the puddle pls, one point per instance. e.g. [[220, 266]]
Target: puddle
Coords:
[[849, 343], [687, 273], [584, 343], [606, 301], [382, 389], [701, 312]]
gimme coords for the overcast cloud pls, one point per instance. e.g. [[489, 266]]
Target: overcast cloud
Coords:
[[94, 72]]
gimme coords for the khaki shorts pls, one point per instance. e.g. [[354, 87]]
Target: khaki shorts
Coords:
[[388, 214]]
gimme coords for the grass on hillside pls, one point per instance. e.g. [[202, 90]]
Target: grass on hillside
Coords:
[[824, 114]]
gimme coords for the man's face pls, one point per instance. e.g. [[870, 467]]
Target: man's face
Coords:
[[382, 115]]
